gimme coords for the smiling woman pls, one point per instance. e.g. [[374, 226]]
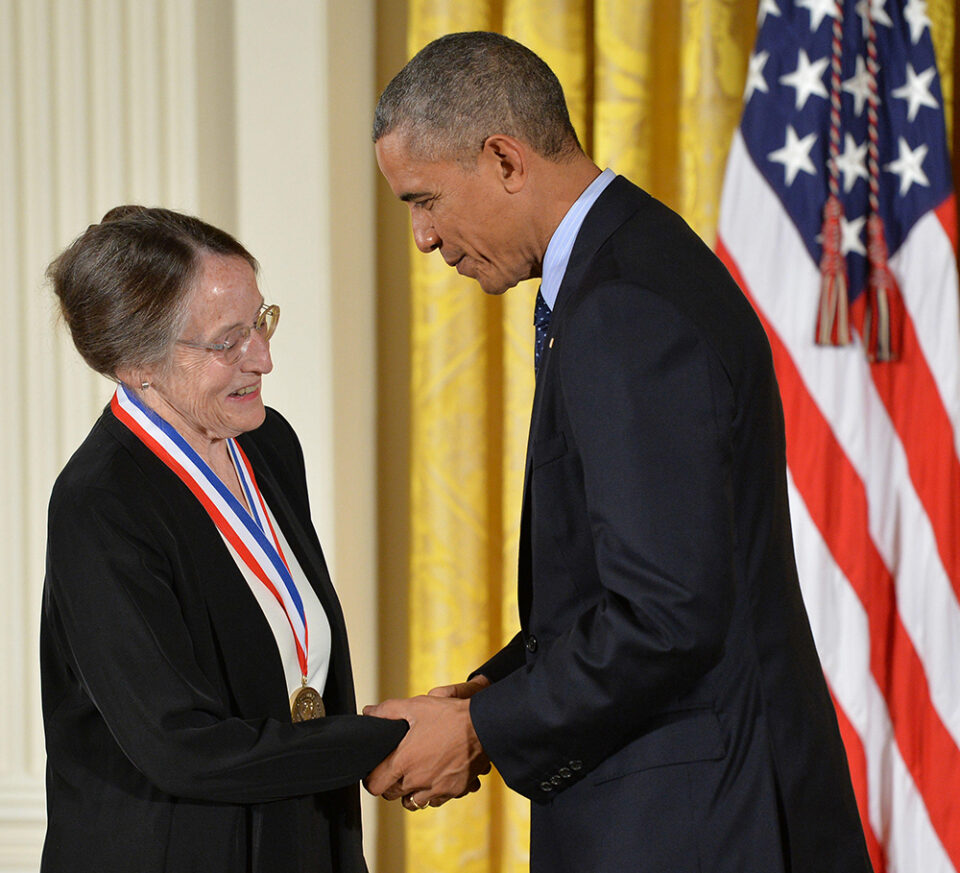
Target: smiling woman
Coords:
[[198, 701], [209, 389]]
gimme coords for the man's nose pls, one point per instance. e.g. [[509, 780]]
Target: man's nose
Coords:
[[424, 233]]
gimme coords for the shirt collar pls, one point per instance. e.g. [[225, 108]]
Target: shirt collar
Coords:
[[557, 256]]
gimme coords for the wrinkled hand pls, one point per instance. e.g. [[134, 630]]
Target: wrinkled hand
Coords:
[[439, 758]]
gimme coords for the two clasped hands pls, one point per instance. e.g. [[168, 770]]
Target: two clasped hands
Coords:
[[440, 757]]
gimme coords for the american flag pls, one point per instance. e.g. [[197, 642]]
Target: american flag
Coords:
[[844, 99]]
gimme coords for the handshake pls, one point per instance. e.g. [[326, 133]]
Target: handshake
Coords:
[[440, 757]]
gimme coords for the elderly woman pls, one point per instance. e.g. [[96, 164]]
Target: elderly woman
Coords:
[[197, 694]]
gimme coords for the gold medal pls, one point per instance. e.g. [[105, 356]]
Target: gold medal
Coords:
[[306, 704]]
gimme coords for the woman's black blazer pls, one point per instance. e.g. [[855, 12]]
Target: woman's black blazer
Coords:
[[168, 732]]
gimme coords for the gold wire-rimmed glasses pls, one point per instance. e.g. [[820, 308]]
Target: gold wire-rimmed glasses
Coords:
[[236, 342]]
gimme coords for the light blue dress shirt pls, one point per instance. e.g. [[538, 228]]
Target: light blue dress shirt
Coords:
[[557, 256]]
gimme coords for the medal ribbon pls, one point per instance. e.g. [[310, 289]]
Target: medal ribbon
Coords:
[[250, 533]]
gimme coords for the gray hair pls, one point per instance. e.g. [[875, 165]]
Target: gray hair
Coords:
[[462, 88], [123, 284]]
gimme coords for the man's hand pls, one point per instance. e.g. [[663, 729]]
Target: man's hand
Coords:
[[439, 758], [463, 690]]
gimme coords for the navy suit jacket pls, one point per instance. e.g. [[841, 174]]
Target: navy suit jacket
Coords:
[[663, 704], [168, 732]]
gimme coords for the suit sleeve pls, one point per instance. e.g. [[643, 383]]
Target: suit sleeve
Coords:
[[648, 410], [111, 605], [504, 662]]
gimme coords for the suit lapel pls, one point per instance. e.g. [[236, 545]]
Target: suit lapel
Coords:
[[619, 200], [613, 207]]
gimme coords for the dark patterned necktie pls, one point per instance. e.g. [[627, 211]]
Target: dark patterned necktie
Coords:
[[541, 321]]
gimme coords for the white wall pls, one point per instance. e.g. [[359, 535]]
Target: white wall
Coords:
[[253, 115]]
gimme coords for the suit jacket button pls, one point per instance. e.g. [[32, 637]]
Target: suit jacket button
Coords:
[[565, 772], [531, 643], [546, 786], [576, 765], [555, 780]]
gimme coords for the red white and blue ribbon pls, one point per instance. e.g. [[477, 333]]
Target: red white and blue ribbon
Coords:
[[249, 532]]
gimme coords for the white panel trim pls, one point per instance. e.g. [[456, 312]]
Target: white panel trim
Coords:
[[11, 442], [351, 170], [283, 218], [22, 824], [142, 92], [179, 120]]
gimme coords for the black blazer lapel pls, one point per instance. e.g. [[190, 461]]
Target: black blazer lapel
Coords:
[[305, 545], [339, 695]]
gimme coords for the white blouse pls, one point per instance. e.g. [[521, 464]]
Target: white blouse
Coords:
[[318, 626]]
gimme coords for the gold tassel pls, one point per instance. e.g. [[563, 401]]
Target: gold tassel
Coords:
[[883, 319], [833, 318]]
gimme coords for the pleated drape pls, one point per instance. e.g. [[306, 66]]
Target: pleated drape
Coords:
[[654, 89]]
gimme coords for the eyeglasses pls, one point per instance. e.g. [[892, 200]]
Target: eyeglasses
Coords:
[[235, 344]]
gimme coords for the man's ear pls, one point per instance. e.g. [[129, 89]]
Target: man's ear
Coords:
[[510, 159]]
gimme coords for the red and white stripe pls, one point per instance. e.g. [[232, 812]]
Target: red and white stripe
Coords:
[[873, 453]]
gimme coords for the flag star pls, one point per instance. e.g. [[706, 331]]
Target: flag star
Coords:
[[755, 80], [909, 166], [807, 78], [766, 7], [795, 155], [915, 13], [818, 10], [868, 9], [850, 236], [852, 163], [916, 91], [859, 86]]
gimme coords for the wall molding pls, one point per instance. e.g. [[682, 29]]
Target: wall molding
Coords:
[[22, 823]]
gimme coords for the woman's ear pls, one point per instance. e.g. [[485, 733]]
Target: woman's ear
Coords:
[[138, 378]]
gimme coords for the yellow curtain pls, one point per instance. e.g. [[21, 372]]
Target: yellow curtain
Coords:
[[654, 88]]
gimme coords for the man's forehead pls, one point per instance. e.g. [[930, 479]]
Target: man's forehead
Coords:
[[400, 147], [411, 174]]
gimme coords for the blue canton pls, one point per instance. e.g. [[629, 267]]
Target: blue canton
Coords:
[[786, 119]]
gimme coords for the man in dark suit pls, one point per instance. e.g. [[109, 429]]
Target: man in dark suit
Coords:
[[662, 705]]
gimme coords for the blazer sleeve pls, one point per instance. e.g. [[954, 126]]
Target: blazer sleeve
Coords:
[[648, 409], [111, 605]]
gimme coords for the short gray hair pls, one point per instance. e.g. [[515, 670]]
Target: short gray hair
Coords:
[[123, 284], [462, 88]]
